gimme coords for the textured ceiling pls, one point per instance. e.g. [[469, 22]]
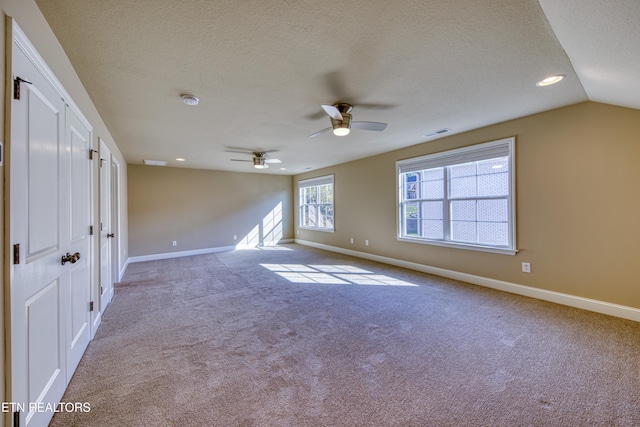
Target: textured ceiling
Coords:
[[263, 68]]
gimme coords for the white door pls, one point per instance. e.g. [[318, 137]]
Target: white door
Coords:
[[49, 300], [106, 284], [78, 139]]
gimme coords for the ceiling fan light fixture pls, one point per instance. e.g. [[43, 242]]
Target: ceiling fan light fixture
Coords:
[[342, 127], [259, 163], [341, 124], [341, 131]]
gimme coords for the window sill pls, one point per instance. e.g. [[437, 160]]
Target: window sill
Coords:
[[325, 230], [502, 251]]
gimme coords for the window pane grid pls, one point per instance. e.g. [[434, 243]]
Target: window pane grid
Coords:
[[482, 222]]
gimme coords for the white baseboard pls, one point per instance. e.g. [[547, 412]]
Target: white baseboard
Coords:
[[181, 254], [602, 307], [96, 324], [123, 269]]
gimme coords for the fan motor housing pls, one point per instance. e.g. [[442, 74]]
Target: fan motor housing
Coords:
[[344, 108], [344, 123]]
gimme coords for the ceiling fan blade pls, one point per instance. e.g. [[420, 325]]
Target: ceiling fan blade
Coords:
[[272, 161], [375, 106], [240, 160], [332, 111], [316, 115], [239, 151], [263, 153], [375, 126], [320, 132]]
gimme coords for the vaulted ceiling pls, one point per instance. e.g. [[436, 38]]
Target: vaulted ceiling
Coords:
[[262, 69]]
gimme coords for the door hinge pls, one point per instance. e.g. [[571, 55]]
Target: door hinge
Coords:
[[16, 86], [91, 151], [16, 254], [91, 230], [91, 306], [101, 290]]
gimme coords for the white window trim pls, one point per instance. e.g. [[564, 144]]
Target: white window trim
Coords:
[[324, 230], [459, 155], [458, 245], [311, 182]]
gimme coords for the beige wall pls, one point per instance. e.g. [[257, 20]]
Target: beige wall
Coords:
[[578, 204], [27, 15], [203, 209]]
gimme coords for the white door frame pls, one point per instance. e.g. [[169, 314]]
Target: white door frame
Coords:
[[115, 222], [104, 227]]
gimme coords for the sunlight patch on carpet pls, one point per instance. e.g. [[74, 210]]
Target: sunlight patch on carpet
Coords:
[[333, 275]]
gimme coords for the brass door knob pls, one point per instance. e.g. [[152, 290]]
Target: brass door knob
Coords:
[[70, 258]]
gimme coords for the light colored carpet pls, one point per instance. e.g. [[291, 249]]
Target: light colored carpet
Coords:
[[302, 337]]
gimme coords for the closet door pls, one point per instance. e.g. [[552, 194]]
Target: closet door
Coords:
[[49, 231], [78, 139]]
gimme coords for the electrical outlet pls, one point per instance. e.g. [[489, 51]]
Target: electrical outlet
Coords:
[[235, 237], [352, 240], [526, 267], [175, 243], [366, 243]]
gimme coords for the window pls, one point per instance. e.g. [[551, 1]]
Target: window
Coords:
[[316, 203], [462, 198]]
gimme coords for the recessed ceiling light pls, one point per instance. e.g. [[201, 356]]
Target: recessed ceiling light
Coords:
[[283, 169], [551, 80], [180, 159], [189, 99]]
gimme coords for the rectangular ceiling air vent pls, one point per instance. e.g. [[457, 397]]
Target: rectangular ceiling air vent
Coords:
[[154, 162], [436, 133]]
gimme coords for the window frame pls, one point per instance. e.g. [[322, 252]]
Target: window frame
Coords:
[[476, 152], [316, 182]]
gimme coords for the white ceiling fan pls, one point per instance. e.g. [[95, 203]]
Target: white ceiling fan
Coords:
[[341, 123], [260, 158]]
